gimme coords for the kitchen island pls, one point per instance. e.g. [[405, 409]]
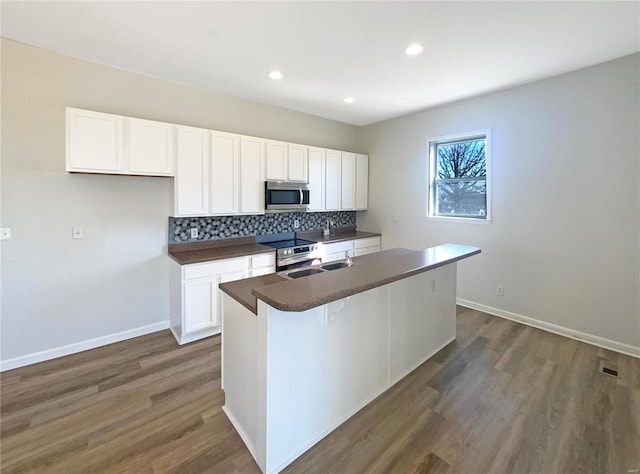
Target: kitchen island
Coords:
[[299, 357]]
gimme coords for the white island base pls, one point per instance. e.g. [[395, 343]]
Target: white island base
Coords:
[[291, 378]]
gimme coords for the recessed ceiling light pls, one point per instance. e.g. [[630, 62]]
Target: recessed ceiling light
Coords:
[[349, 100], [413, 49], [275, 75]]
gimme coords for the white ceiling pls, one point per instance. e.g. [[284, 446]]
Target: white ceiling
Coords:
[[330, 50]]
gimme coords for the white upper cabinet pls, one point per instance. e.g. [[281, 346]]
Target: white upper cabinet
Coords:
[[251, 175], [150, 147], [94, 141], [332, 180], [316, 178], [286, 161], [362, 181], [191, 186], [348, 181], [216, 173], [298, 163], [106, 143], [276, 160], [225, 173]]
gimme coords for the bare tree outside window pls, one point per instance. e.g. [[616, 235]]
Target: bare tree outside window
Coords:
[[459, 182]]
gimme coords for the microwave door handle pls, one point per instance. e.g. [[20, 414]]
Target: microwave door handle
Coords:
[[301, 196]]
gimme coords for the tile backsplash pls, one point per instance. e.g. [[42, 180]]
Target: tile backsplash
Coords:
[[225, 227]]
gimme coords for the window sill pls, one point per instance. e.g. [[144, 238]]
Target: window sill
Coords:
[[459, 220]]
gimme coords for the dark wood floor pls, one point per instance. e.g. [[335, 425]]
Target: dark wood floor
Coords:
[[502, 398]]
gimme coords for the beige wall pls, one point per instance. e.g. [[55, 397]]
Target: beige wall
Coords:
[[565, 239], [58, 291], [566, 204]]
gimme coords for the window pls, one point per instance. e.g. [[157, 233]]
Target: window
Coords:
[[459, 177]]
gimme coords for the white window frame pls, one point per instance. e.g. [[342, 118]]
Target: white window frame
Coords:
[[431, 178]]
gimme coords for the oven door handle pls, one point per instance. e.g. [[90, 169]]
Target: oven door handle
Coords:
[[301, 196]]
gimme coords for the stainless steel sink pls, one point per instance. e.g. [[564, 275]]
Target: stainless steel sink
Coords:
[[303, 273], [334, 266]]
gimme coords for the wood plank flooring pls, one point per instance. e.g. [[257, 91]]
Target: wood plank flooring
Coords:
[[502, 398]]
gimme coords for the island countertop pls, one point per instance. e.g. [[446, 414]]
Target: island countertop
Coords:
[[368, 272]]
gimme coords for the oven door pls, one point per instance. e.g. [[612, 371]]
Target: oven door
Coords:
[[293, 262]]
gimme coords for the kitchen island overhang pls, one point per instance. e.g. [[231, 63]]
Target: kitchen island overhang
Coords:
[[301, 357]]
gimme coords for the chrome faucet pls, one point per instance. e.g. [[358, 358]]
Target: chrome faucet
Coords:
[[347, 257]]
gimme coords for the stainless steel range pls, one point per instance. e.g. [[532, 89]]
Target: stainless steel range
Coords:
[[290, 251]]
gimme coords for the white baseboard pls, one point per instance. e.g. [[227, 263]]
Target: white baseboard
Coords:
[[81, 346], [243, 434], [194, 336], [615, 346]]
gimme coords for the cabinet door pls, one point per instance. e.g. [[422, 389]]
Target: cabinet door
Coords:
[[276, 159], [200, 304], [251, 175], [150, 147], [191, 183], [94, 141], [332, 180], [348, 181], [224, 173], [297, 163], [316, 179], [362, 251], [362, 181]]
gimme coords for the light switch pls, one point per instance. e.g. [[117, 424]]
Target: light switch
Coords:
[[5, 233], [77, 233]]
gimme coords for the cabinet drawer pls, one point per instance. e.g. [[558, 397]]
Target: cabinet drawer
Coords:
[[254, 272], [199, 270], [263, 260], [368, 242], [338, 247], [358, 252]]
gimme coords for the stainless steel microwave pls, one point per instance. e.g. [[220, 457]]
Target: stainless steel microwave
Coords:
[[283, 196]]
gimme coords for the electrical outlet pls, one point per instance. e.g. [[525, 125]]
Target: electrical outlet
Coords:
[[77, 233], [499, 290], [296, 224], [194, 232], [5, 233]]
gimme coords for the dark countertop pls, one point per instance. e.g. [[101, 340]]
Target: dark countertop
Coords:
[[242, 291], [338, 237], [368, 272], [211, 250]]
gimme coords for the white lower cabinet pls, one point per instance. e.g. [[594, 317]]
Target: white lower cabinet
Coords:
[[262, 264], [365, 246], [200, 297], [336, 251], [355, 248], [195, 297]]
